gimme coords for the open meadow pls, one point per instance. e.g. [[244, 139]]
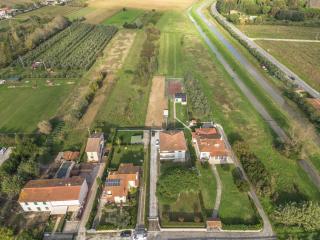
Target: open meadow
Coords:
[[279, 31], [22, 108]]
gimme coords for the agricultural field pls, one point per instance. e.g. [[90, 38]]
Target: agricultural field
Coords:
[[83, 42], [21, 108], [282, 32], [121, 17], [234, 212], [49, 11], [302, 58]]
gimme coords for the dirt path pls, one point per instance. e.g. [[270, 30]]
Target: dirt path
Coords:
[[116, 53], [157, 102]]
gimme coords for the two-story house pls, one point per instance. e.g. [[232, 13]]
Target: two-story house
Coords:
[[95, 147], [210, 146], [173, 146], [56, 196]]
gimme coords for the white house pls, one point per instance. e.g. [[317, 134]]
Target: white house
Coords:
[[210, 146], [173, 146], [95, 147], [180, 98], [56, 196]]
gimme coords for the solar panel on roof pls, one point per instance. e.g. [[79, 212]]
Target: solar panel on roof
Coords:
[[113, 182]]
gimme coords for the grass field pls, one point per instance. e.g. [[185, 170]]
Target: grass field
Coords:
[[235, 206], [128, 102], [22, 108], [182, 112], [278, 31], [122, 17], [208, 188], [302, 58], [127, 154]]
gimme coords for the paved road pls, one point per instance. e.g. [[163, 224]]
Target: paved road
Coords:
[[219, 192], [272, 59], [90, 200], [153, 203]]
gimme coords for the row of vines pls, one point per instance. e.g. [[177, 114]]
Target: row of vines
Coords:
[[76, 47]]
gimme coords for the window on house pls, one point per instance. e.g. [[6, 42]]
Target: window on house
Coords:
[[29, 208], [47, 208], [35, 203], [39, 209], [44, 203], [26, 203]]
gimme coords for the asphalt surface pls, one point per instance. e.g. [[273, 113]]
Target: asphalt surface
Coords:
[[272, 59], [153, 203]]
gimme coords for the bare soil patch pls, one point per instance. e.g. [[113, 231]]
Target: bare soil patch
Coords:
[[115, 54], [157, 102]]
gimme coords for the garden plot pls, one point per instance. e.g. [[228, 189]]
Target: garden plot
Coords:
[[157, 103]]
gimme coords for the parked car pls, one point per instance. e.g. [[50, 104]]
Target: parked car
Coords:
[[125, 233]]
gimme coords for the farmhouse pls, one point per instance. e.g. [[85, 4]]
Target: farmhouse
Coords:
[[119, 183], [56, 196], [210, 146], [180, 98], [95, 147], [173, 146]]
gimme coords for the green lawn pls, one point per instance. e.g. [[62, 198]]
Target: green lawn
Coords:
[[80, 13], [186, 211], [122, 17], [235, 208], [125, 136], [22, 108], [208, 188], [127, 104], [182, 112], [127, 154]]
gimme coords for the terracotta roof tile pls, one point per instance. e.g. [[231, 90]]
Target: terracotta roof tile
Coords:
[[172, 141], [44, 190]]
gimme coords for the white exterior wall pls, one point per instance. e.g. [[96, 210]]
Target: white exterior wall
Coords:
[[120, 199], [176, 155], [220, 160], [93, 156], [52, 206]]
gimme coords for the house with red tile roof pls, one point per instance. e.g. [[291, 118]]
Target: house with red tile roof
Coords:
[[173, 146], [56, 196], [210, 146], [119, 183], [95, 147]]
